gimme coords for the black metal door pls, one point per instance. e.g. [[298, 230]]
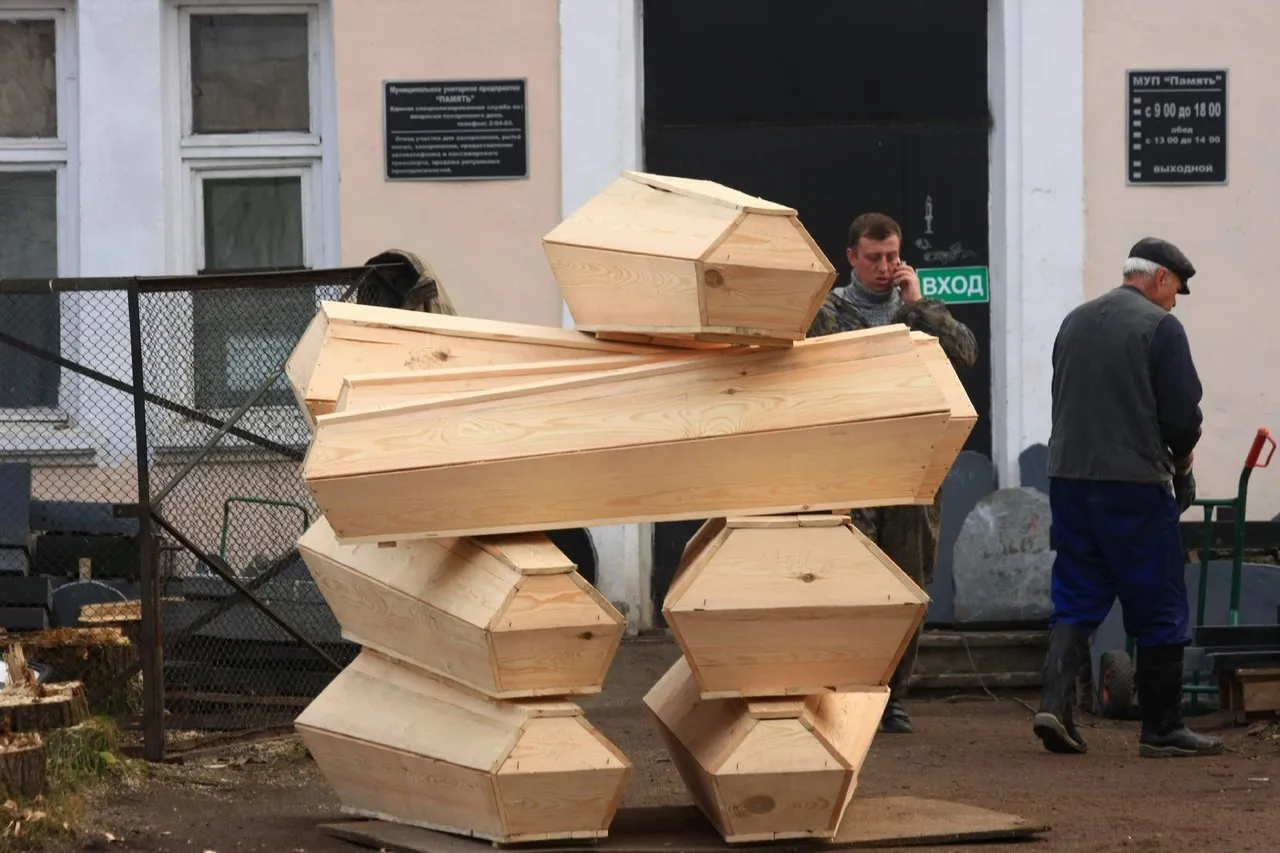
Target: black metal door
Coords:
[[834, 107]]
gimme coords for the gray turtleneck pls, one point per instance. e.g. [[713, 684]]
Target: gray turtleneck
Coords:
[[878, 308]]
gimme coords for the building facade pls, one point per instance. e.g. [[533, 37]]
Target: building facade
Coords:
[[148, 137]]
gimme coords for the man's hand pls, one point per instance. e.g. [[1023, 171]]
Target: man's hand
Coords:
[[905, 278], [1184, 464], [1184, 489]]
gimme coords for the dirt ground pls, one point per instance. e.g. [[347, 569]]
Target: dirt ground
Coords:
[[970, 749]]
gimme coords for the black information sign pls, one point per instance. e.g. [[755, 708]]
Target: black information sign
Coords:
[[1177, 127], [455, 130]]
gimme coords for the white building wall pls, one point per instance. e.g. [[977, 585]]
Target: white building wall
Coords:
[[601, 107], [1036, 74]]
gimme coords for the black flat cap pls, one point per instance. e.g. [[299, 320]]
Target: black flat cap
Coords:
[[1167, 255]]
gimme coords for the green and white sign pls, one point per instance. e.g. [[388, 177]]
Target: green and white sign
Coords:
[[955, 284]]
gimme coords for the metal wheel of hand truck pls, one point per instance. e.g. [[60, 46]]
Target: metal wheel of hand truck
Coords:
[[1116, 691]]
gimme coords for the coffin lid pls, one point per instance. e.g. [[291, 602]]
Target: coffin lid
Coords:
[[670, 217]]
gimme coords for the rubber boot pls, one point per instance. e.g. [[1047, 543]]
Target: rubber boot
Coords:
[[1164, 735], [1054, 723], [895, 719]]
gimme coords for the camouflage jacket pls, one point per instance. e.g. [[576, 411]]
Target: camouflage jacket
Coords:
[[907, 534], [930, 316]]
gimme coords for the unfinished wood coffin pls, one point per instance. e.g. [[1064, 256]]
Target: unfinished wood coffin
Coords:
[[666, 256], [766, 769], [508, 616], [963, 414], [790, 605], [834, 422], [365, 391], [346, 339], [398, 745]]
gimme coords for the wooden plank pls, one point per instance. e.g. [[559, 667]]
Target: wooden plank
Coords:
[[870, 822], [345, 339], [361, 392]]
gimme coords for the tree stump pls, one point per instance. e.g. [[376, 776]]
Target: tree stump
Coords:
[[27, 706], [60, 706], [23, 760], [92, 656]]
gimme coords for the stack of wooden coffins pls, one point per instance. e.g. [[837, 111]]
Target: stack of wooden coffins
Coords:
[[443, 447]]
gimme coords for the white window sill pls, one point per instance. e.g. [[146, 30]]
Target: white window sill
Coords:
[[46, 445]]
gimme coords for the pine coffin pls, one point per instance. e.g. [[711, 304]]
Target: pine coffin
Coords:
[[963, 414], [344, 339], [364, 391], [666, 256], [398, 745], [766, 769], [845, 610], [507, 616], [838, 421]]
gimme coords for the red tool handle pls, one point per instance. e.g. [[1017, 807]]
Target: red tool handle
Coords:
[[1263, 437]]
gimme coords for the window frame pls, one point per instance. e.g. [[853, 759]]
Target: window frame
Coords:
[[197, 157], [60, 155]]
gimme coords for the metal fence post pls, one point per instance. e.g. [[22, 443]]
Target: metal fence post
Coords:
[[152, 651]]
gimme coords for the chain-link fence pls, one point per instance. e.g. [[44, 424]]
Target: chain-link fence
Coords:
[[193, 552]]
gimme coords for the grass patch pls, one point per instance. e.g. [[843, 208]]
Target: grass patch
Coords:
[[79, 760]]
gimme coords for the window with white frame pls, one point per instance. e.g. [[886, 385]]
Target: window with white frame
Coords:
[[37, 126], [251, 159]]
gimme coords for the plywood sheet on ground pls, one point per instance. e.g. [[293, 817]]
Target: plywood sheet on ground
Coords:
[[872, 822]]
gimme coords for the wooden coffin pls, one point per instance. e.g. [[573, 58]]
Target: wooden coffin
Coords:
[[508, 616], [766, 769], [347, 339], [834, 422], [790, 605], [674, 257], [364, 391], [963, 414], [398, 745]]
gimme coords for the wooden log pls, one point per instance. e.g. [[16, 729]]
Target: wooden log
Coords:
[[344, 339], [664, 256], [790, 605], [397, 744], [507, 616], [766, 769], [23, 766], [845, 420]]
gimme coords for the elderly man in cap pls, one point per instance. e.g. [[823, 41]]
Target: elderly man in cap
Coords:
[[1126, 418]]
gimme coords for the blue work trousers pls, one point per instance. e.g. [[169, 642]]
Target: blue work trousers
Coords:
[[1120, 539]]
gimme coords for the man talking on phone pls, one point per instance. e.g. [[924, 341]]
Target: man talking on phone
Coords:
[[882, 290]]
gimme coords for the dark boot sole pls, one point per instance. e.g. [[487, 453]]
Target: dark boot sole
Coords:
[[1053, 734], [1147, 750]]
